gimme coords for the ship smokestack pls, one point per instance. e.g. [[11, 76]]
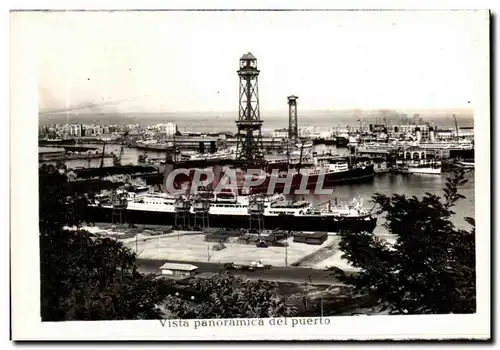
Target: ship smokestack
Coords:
[[419, 134], [432, 134]]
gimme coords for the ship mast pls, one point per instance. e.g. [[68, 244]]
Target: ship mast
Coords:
[[102, 155], [300, 157], [288, 154], [299, 167], [456, 126]]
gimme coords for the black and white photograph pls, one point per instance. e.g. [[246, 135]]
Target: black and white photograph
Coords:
[[243, 175]]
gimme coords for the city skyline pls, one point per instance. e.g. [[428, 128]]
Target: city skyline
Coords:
[[126, 62]]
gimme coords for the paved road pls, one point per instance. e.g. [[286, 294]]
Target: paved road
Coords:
[[288, 274]]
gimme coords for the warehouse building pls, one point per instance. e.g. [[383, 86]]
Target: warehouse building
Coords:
[[316, 238]]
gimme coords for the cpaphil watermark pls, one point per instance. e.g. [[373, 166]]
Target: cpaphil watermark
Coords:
[[247, 181]]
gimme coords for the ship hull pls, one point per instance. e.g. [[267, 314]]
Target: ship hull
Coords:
[[465, 165], [284, 222], [153, 147], [382, 171], [430, 171], [341, 141], [324, 141], [359, 175]]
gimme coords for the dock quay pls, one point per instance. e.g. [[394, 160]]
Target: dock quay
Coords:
[[211, 143], [75, 157], [160, 242], [63, 153], [179, 142], [139, 170]]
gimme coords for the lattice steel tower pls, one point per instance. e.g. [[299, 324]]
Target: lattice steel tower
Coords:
[[293, 123], [249, 137]]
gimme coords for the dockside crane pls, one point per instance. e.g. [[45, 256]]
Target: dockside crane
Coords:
[[117, 160]]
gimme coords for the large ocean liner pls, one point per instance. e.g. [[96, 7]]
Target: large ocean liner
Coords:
[[233, 211]]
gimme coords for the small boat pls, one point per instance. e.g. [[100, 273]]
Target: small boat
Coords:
[[380, 166], [465, 164], [418, 167], [307, 144], [425, 167], [425, 170]]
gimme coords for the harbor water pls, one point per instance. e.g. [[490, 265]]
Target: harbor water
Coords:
[[410, 185]]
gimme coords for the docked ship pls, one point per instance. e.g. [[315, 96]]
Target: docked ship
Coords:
[[219, 155], [333, 171], [154, 145], [465, 164], [328, 170], [291, 161], [341, 140], [419, 167], [380, 165], [238, 212], [305, 144]]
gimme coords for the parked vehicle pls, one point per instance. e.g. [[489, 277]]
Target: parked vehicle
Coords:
[[232, 266], [262, 244], [259, 265], [254, 265]]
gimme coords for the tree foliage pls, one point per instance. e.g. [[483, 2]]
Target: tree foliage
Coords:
[[84, 277], [431, 266], [227, 296]]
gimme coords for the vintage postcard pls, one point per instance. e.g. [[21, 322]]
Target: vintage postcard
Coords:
[[250, 175]]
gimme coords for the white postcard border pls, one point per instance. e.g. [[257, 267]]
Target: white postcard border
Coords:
[[24, 243]]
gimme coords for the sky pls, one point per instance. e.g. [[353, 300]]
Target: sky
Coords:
[[187, 61]]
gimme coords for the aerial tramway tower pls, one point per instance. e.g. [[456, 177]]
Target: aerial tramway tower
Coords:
[[182, 208], [249, 138], [256, 212], [293, 123], [201, 207], [120, 204]]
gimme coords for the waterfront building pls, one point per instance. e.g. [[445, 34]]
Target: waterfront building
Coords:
[[451, 134], [419, 131], [311, 132], [280, 133], [166, 129]]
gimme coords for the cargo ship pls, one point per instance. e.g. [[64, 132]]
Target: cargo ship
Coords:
[[153, 145], [329, 170], [230, 210]]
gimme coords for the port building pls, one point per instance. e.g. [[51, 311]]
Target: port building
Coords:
[[177, 269], [316, 238]]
